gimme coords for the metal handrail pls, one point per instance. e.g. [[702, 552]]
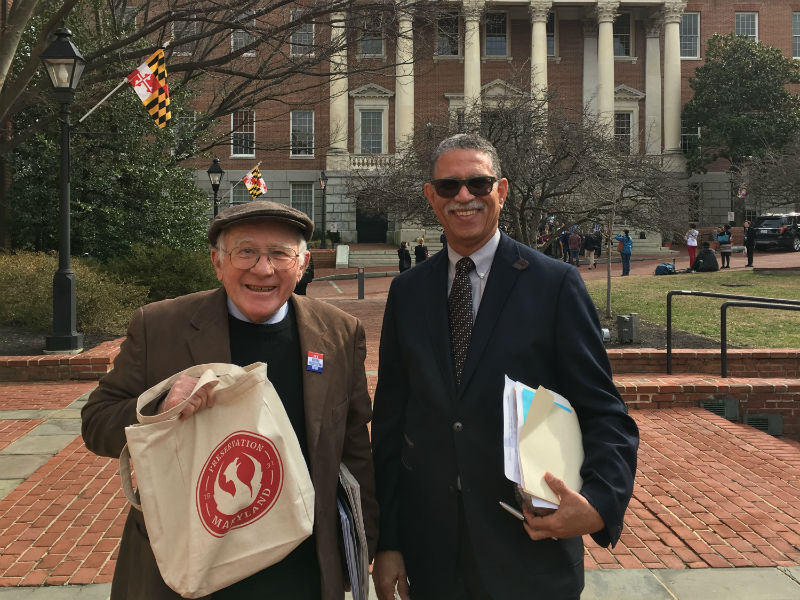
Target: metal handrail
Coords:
[[723, 323], [672, 293]]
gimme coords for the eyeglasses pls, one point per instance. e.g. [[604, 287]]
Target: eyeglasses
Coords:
[[246, 258], [477, 186]]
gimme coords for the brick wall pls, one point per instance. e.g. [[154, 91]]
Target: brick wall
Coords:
[[784, 362]]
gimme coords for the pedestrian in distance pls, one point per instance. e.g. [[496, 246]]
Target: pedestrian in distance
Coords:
[[404, 257], [420, 251], [308, 277], [258, 250], [691, 242], [706, 260], [453, 328], [575, 242], [725, 249], [749, 242], [625, 251]]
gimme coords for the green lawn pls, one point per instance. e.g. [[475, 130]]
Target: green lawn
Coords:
[[747, 327]]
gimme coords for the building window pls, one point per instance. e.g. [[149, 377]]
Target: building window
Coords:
[[243, 136], [126, 16], [371, 42], [690, 35], [371, 131], [796, 35], [447, 40], [302, 38], [241, 38], [496, 43], [239, 193], [746, 24], [182, 30], [690, 138], [302, 132], [622, 131], [184, 127], [551, 34], [302, 198], [622, 35]]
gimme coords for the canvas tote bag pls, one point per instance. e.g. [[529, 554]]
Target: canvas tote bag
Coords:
[[224, 493]]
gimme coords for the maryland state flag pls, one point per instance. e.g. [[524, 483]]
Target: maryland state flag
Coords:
[[149, 81], [255, 185]]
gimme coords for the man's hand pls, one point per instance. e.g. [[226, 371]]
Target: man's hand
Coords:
[[389, 570], [181, 390], [574, 516]]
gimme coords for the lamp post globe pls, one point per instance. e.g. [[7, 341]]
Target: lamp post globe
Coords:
[[215, 174], [64, 65]]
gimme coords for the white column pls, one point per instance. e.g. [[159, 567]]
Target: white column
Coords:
[[540, 10], [339, 85], [673, 11], [652, 87], [590, 65], [606, 10], [473, 10], [404, 82]]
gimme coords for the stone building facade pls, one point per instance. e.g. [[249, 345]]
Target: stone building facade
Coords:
[[629, 61]]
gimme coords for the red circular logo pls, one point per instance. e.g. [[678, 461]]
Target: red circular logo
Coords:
[[239, 483]]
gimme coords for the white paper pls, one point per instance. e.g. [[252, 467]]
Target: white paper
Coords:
[[511, 432], [540, 433]]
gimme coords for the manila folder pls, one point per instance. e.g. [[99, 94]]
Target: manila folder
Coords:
[[550, 441]]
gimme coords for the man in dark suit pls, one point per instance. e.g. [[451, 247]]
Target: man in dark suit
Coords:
[[259, 253], [438, 422], [749, 242]]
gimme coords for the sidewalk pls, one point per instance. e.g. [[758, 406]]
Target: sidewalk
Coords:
[[715, 512]]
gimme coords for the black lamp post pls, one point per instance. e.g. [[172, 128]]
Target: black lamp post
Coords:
[[215, 174], [323, 181], [64, 65]]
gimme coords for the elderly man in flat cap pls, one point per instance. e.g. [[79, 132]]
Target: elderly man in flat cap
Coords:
[[259, 253]]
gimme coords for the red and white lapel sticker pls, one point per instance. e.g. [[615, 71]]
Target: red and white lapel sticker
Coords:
[[314, 362]]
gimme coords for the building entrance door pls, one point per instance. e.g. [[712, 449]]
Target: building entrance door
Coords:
[[371, 227]]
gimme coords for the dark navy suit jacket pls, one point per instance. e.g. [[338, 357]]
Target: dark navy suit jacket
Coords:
[[537, 324]]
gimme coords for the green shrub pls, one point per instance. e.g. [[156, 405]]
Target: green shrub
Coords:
[[166, 272], [105, 304]]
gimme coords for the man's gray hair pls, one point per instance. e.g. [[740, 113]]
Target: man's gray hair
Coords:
[[468, 141]]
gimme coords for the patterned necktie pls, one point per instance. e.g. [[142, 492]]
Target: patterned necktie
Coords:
[[459, 306]]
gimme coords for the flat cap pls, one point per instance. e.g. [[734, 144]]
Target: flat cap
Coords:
[[260, 209]]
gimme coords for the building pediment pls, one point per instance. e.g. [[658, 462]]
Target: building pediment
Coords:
[[625, 92], [372, 90], [498, 88]]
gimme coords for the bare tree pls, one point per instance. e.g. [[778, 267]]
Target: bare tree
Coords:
[[773, 178], [563, 172], [238, 53]]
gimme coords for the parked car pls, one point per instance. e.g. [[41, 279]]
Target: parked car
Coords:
[[778, 231]]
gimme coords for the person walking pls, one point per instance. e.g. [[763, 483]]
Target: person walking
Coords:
[[626, 251], [589, 248], [420, 251], [691, 243], [724, 240], [404, 257], [575, 242], [749, 242]]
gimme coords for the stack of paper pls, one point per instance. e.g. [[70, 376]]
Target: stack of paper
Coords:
[[355, 539], [540, 434]]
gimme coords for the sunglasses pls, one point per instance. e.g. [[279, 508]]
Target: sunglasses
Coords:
[[477, 186]]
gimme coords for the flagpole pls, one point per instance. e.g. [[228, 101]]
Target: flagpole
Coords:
[[121, 83]]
